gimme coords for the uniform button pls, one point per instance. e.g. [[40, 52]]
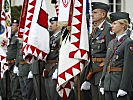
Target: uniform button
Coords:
[[92, 43], [93, 62], [91, 49]]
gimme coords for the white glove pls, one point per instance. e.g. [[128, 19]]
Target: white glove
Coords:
[[15, 70], [102, 91], [30, 75], [43, 73], [86, 86], [121, 93], [100, 82], [55, 74]]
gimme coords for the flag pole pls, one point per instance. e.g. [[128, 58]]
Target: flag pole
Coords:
[[79, 93], [0, 13], [39, 62]]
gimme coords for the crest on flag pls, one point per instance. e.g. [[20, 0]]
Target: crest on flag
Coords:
[[65, 3], [5, 31], [64, 6]]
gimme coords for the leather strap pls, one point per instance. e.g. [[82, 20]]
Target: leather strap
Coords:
[[114, 69], [98, 59], [22, 62], [52, 61]]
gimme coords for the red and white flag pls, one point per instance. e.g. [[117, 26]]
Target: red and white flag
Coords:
[[23, 19], [74, 51], [64, 8], [57, 7], [5, 31], [36, 35]]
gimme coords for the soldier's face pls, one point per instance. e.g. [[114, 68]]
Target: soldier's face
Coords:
[[53, 26], [14, 27], [117, 28], [97, 15]]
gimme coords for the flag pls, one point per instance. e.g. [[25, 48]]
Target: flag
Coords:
[[74, 49], [36, 35], [131, 36], [22, 19], [57, 7], [64, 7], [5, 31]]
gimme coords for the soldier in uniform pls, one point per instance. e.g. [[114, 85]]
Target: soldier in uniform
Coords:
[[12, 49], [117, 73], [99, 39], [26, 83], [36, 73], [52, 60]]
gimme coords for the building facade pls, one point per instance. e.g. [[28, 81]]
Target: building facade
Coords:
[[50, 7], [116, 5]]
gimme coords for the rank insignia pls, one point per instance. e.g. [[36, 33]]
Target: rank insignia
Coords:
[[131, 48], [100, 39], [121, 39], [111, 33], [101, 28], [117, 53]]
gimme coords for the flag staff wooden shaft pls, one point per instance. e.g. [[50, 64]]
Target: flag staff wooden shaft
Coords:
[[79, 93]]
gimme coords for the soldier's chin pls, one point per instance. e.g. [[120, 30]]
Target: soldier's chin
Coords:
[[51, 33]]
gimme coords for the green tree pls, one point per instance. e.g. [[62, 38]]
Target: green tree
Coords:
[[16, 12]]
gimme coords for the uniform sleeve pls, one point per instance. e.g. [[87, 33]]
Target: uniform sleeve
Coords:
[[128, 66], [18, 52], [104, 68]]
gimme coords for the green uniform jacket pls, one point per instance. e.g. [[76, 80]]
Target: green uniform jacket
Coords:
[[99, 44], [123, 58], [12, 48], [54, 51], [23, 68]]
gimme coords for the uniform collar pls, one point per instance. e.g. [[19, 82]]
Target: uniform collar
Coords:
[[101, 25], [120, 36], [55, 34]]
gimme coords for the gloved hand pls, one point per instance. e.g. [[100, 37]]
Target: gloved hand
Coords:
[[55, 74], [102, 91], [86, 86], [100, 82], [121, 93], [45, 73], [15, 70], [30, 75]]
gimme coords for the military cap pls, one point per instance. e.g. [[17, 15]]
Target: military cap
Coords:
[[53, 1], [53, 19], [119, 15], [97, 5], [15, 21]]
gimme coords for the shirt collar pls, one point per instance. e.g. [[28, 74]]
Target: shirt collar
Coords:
[[120, 36], [55, 34], [101, 25]]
